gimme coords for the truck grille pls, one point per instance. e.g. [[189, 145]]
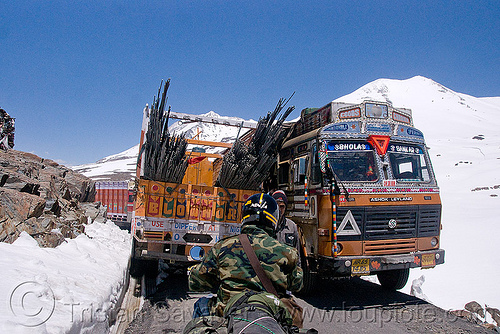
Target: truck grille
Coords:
[[429, 221], [383, 247], [377, 224], [411, 221]]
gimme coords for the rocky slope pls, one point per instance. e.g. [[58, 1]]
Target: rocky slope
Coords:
[[49, 201]]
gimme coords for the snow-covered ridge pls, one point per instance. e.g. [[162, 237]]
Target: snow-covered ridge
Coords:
[[130, 153], [72, 288]]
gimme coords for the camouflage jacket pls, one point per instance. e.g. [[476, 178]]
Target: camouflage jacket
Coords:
[[227, 270]]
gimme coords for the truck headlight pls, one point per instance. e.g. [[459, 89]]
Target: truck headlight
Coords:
[[339, 248], [434, 242]]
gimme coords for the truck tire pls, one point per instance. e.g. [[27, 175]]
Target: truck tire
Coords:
[[140, 267], [393, 279], [136, 269], [149, 278], [310, 279]]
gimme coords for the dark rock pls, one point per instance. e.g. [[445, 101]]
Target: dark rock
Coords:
[[7, 228], [467, 315], [31, 226], [90, 211], [43, 198], [17, 206], [31, 188], [48, 222], [66, 194], [495, 314], [4, 179], [475, 307], [50, 239]]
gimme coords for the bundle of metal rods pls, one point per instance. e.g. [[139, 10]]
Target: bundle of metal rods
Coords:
[[246, 167], [164, 154]]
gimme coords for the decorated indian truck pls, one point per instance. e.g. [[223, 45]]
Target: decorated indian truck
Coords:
[[363, 192]]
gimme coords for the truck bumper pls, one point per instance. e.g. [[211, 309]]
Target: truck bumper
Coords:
[[367, 265], [145, 254], [164, 250]]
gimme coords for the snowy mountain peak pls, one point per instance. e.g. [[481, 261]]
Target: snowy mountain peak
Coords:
[[404, 93], [211, 114], [389, 90], [432, 104]]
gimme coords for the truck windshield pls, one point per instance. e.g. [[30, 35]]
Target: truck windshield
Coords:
[[408, 163], [353, 165]]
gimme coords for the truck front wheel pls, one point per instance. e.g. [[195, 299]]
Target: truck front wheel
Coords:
[[393, 279]]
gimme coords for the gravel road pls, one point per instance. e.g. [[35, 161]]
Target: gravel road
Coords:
[[341, 306]]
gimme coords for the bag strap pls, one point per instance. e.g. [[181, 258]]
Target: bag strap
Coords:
[[254, 261], [241, 300]]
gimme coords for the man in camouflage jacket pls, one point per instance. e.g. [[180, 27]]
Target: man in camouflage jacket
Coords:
[[226, 270]]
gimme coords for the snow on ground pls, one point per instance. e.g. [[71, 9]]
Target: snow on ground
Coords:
[[68, 289], [470, 226]]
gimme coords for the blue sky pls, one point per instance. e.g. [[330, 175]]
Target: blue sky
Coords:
[[77, 74]]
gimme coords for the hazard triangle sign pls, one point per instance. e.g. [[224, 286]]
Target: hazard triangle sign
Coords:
[[381, 143], [352, 229]]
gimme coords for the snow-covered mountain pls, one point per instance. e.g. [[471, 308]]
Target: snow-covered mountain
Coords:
[[463, 133], [432, 103], [122, 166], [209, 131]]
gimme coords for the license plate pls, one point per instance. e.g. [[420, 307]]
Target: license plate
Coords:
[[428, 260], [360, 267]]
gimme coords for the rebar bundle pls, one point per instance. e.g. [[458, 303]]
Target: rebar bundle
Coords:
[[164, 154], [246, 167]]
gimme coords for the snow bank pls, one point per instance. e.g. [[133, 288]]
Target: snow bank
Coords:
[[68, 289]]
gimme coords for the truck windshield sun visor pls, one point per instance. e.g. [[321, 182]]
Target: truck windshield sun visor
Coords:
[[358, 166]]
